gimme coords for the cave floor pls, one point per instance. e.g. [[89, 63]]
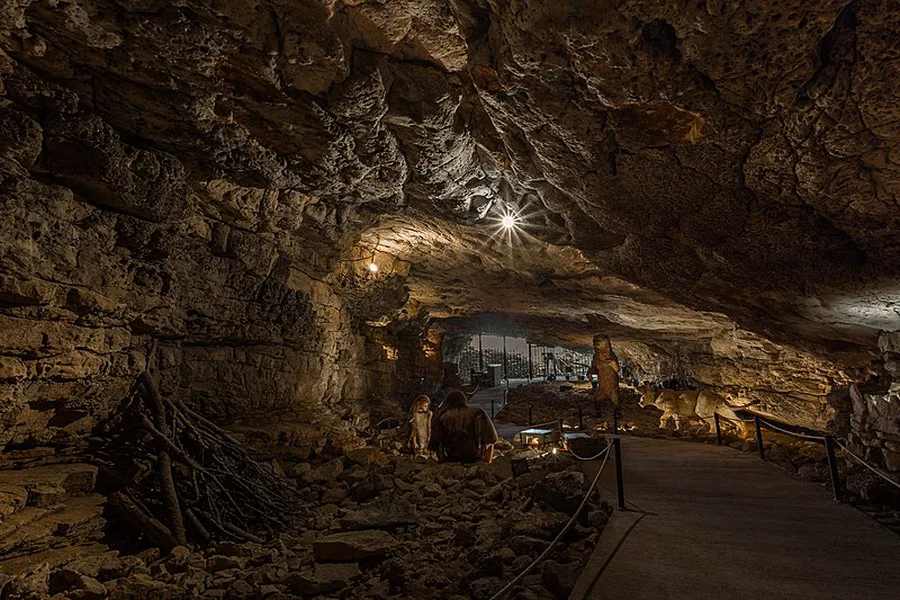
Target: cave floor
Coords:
[[710, 522]]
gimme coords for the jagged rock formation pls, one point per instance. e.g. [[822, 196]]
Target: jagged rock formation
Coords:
[[710, 182]]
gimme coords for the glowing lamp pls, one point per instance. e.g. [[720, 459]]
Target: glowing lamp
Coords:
[[508, 222], [373, 267]]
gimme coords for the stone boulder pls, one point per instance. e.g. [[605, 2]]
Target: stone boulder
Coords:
[[30, 585], [561, 491], [324, 578], [558, 578], [388, 510], [367, 457], [141, 586], [485, 587], [327, 472], [353, 545], [77, 585]]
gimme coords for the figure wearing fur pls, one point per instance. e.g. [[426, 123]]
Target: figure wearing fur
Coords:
[[606, 367], [463, 433], [420, 417]]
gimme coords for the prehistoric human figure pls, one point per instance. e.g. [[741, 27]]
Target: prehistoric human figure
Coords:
[[420, 425], [606, 367], [463, 433]]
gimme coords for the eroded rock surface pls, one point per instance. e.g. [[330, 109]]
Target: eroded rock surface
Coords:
[[711, 185]]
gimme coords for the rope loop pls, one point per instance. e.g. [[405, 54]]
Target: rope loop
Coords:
[[820, 438]]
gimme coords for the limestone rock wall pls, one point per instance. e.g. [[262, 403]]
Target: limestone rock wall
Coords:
[[873, 422], [781, 382], [106, 246], [215, 175]]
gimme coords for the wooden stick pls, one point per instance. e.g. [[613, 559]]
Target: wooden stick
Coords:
[[155, 531], [241, 533], [193, 520], [167, 483], [177, 452]]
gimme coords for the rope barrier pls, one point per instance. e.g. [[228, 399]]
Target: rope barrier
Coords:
[[867, 465], [794, 433], [738, 420], [565, 529], [595, 457]]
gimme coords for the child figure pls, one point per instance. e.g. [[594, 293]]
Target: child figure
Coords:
[[420, 426]]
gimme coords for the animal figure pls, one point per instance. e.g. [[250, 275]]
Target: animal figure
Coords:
[[709, 403], [606, 367], [691, 404], [673, 404]]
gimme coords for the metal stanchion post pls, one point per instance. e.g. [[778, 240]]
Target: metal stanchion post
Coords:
[[615, 420], [580, 418], [832, 468], [718, 429], [530, 415], [620, 483], [759, 439]]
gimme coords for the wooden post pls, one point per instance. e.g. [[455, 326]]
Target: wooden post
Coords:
[[832, 468], [718, 429], [620, 483], [759, 438]]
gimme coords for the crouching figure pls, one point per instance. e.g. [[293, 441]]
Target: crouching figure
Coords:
[[420, 426], [463, 433]]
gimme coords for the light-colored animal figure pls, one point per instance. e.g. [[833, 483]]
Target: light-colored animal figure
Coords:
[[690, 404], [606, 367], [709, 403], [671, 402]]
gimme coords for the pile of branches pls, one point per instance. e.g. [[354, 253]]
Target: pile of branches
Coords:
[[184, 478]]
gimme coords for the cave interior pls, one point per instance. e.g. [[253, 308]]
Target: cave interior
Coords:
[[287, 218]]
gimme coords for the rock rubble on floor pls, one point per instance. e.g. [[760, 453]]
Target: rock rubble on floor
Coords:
[[384, 526]]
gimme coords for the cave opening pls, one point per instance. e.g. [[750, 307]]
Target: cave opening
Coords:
[[433, 299]]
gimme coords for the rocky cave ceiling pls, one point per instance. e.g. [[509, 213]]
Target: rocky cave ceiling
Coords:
[[686, 169]]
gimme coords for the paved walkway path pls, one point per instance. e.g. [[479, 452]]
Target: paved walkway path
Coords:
[[722, 524], [482, 399]]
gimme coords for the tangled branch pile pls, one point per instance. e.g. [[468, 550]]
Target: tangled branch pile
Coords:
[[184, 477]]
